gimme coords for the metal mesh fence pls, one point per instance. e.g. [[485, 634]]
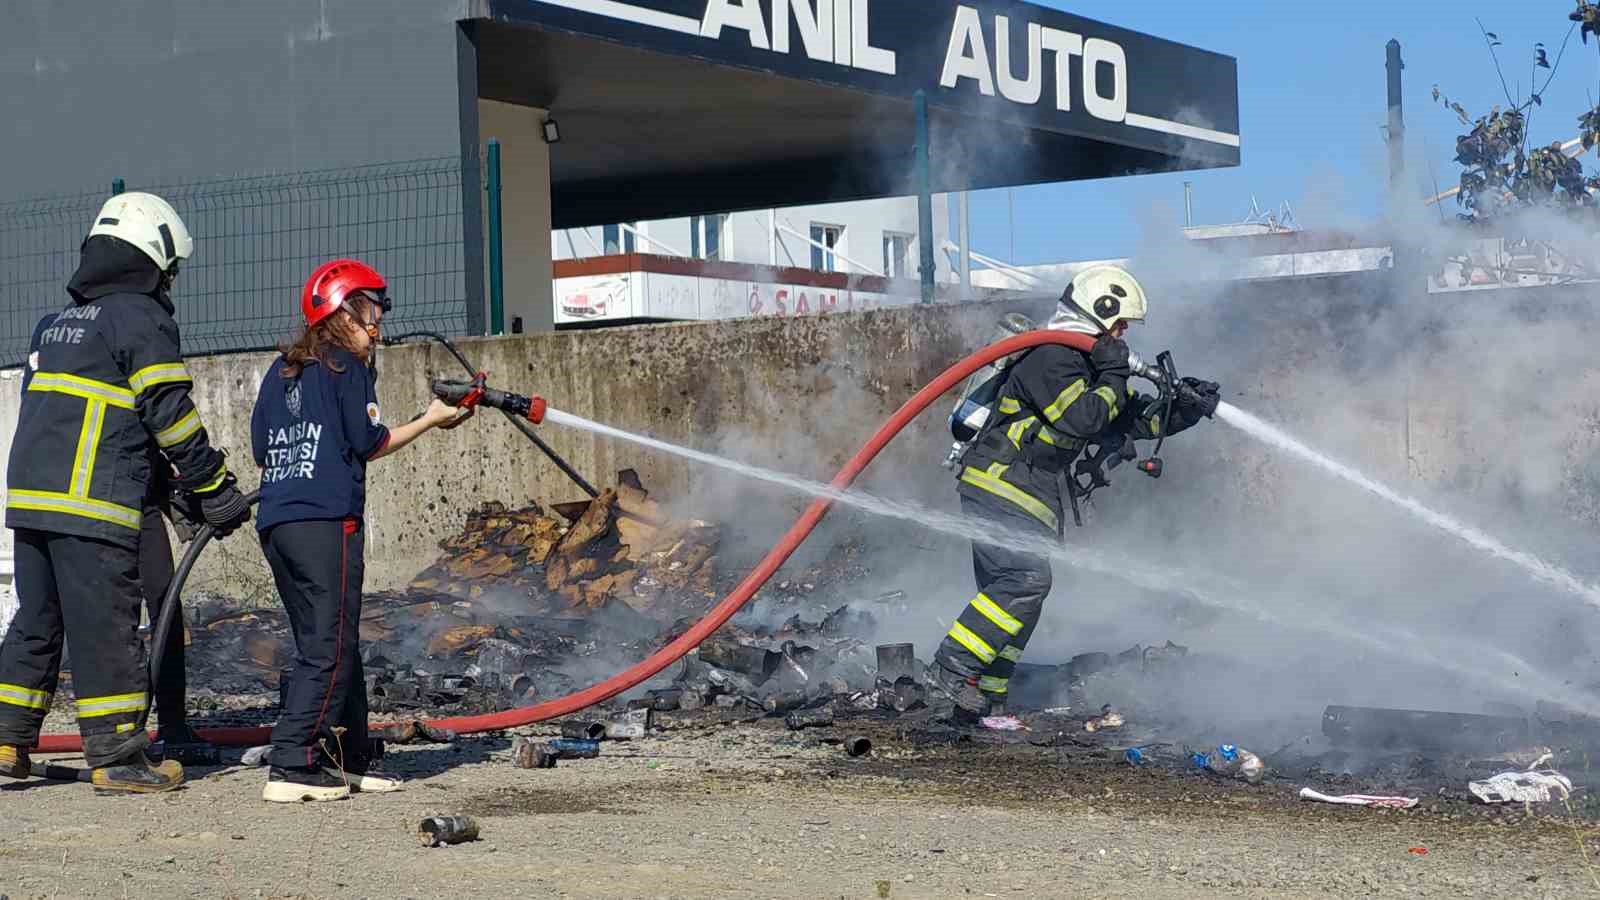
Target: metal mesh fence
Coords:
[[256, 240]]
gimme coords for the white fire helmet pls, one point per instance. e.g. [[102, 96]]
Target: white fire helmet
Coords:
[[1105, 295], [147, 222]]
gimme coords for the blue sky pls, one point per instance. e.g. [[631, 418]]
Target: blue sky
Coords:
[[1312, 100]]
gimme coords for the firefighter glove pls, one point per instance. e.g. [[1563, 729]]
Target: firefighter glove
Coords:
[[1110, 357], [225, 509], [1199, 398]]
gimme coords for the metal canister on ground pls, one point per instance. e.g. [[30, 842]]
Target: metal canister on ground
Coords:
[[436, 831], [629, 726], [583, 731], [531, 754]]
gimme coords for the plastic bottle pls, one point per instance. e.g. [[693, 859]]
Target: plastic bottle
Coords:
[[1231, 761]]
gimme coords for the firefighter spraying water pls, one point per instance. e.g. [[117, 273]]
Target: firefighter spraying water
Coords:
[[1020, 427]]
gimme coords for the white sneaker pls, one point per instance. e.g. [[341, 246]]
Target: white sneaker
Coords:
[[366, 782]]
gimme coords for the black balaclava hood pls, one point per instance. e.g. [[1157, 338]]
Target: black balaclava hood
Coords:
[[113, 266]]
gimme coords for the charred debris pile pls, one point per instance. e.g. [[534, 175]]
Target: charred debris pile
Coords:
[[528, 604]]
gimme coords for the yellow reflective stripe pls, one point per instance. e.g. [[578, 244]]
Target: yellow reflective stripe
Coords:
[[1005, 621], [1011, 652], [1018, 429], [66, 504], [17, 695], [88, 389], [160, 373], [213, 484], [1051, 436], [94, 420], [92, 707], [994, 485], [1064, 400], [990, 684], [180, 430], [1110, 397], [1009, 406], [1155, 425], [979, 647]]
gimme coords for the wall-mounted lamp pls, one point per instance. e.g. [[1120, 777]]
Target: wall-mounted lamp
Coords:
[[552, 132]]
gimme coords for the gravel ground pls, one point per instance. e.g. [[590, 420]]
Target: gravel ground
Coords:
[[752, 811]]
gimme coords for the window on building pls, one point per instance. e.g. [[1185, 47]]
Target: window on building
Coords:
[[823, 259], [896, 255], [617, 240], [707, 236]]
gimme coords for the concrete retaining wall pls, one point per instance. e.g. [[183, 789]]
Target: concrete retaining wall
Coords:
[[795, 395]]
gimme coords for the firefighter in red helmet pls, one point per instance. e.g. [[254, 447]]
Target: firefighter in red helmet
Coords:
[[315, 427]]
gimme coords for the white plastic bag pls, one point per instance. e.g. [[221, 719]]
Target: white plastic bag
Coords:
[[1522, 787]]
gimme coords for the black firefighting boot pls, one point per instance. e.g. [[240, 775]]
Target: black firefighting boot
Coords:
[[14, 762], [138, 774], [960, 690]]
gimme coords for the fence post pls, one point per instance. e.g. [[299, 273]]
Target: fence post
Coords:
[[924, 197], [117, 186], [497, 273]]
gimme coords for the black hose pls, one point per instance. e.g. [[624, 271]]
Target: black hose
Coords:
[[521, 424], [170, 603]]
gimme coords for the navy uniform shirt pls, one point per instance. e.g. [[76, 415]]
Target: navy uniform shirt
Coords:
[[312, 437]]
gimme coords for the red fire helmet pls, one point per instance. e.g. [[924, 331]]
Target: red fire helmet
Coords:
[[333, 282]]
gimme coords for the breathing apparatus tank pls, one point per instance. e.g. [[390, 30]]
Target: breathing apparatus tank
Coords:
[[978, 395]]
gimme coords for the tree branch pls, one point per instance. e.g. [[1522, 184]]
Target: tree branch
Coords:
[[1511, 103]]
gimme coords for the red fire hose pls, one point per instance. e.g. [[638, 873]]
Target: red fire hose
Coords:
[[724, 610]]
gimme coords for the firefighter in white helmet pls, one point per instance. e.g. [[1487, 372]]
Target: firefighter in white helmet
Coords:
[[107, 381], [1053, 402]]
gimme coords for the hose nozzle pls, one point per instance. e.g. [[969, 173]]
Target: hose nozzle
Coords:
[[472, 394]]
